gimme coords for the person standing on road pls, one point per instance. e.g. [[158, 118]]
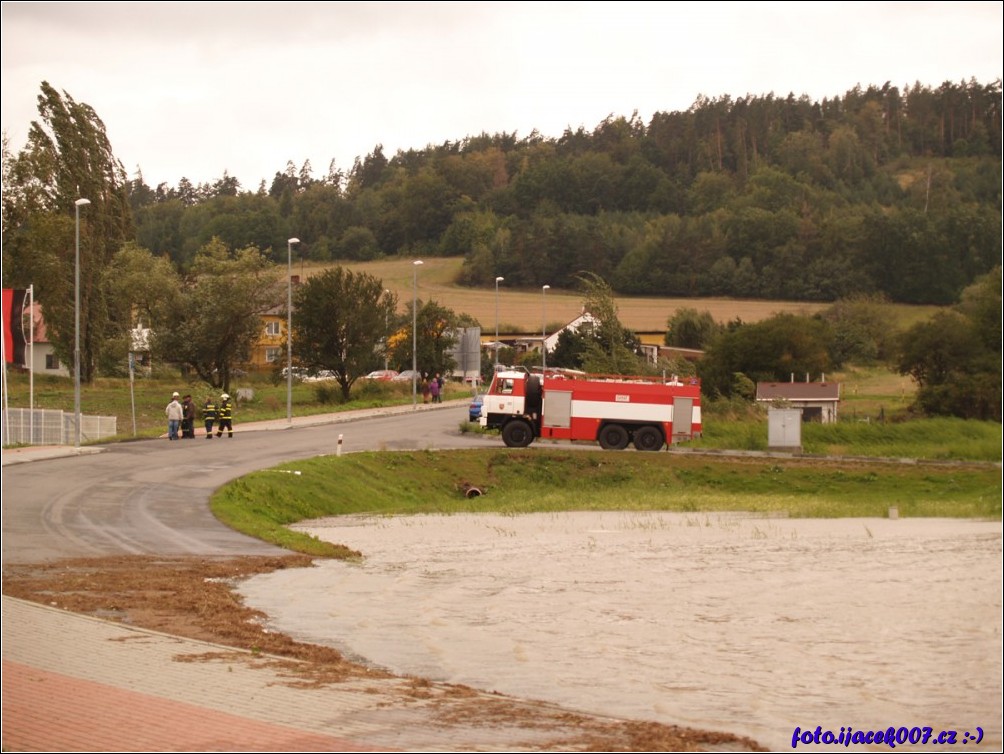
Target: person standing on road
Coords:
[[434, 389], [188, 417], [209, 416], [175, 414], [225, 415]]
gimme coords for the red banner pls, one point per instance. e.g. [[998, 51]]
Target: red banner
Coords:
[[13, 335]]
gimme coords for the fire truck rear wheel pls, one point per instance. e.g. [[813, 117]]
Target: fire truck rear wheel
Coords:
[[648, 438], [517, 434], [613, 437]]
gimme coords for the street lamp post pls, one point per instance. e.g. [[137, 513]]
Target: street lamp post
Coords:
[[386, 335], [289, 330], [414, 337], [543, 330], [76, 322], [497, 281]]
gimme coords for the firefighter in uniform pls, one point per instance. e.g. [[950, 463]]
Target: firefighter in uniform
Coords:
[[209, 416], [225, 415]]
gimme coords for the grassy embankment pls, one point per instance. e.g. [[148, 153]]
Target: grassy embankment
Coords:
[[873, 409], [264, 503]]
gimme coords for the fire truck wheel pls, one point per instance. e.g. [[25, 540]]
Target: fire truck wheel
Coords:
[[517, 434], [613, 437], [534, 395], [648, 438]]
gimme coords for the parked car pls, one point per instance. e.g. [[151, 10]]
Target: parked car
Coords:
[[406, 376], [475, 407], [305, 376], [323, 376], [383, 375]]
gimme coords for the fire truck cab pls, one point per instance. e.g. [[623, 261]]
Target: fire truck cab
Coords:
[[612, 411]]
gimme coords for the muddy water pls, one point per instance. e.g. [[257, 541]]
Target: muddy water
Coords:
[[721, 621]]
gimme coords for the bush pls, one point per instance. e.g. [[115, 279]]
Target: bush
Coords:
[[328, 392], [371, 389]]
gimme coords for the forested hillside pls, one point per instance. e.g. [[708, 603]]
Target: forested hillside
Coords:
[[878, 191]]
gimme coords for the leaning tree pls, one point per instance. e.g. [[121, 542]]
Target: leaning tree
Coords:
[[68, 158]]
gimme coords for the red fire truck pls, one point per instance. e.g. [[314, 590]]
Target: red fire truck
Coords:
[[613, 411]]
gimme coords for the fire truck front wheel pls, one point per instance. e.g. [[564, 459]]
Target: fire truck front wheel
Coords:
[[648, 438], [613, 437], [517, 434]]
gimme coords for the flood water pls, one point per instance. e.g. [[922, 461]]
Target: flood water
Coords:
[[722, 621]]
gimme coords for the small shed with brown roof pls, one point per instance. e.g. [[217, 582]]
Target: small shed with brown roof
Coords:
[[818, 400]]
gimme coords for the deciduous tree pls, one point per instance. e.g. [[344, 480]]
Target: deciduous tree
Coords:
[[955, 357], [774, 349], [689, 328], [339, 320], [142, 289], [436, 331], [613, 349], [218, 319]]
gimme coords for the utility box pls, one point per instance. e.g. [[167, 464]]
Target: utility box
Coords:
[[784, 429]]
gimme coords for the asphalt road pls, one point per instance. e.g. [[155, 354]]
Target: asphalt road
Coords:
[[151, 497]]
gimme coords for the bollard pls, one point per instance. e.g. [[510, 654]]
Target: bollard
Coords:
[[338, 452]]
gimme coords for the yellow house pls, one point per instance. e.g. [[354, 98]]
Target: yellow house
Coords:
[[270, 347]]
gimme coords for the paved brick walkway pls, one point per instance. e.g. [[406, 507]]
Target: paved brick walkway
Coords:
[[76, 683], [45, 711]]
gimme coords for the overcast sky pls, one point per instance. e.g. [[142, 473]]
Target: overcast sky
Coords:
[[198, 89]]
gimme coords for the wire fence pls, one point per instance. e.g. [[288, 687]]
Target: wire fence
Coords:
[[24, 426]]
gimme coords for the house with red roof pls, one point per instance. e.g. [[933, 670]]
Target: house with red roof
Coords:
[[39, 353], [817, 400]]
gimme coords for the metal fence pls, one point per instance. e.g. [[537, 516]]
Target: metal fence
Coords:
[[23, 426]]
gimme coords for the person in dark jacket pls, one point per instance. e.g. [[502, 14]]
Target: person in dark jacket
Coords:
[[225, 415], [187, 418], [209, 416]]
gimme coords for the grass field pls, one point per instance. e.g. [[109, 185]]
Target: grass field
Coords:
[[523, 311], [869, 392], [114, 397]]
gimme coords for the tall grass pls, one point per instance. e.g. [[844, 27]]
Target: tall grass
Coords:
[[938, 438]]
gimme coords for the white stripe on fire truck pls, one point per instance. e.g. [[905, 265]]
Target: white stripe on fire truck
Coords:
[[626, 411]]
